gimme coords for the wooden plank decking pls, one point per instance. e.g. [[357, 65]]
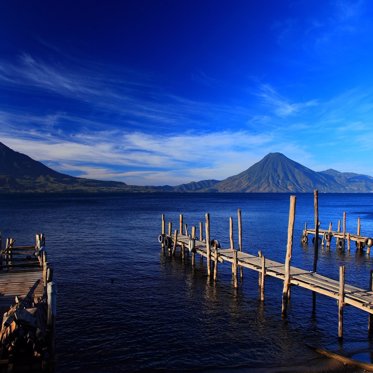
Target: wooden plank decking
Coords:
[[354, 296]]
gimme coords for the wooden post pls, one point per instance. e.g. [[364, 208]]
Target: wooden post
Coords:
[[262, 278], [170, 229], [341, 300], [358, 226], [259, 274], [181, 224], [370, 317], [186, 230], [175, 242], [231, 242], [348, 241], [163, 232], [216, 263], [316, 241], [52, 309], [344, 225], [194, 242], [200, 231], [182, 251], [289, 249], [239, 222], [339, 226], [234, 269], [208, 247], [163, 225]]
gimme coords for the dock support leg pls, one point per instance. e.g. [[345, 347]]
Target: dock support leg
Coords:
[[216, 264], [234, 269], [341, 300], [239, 220], [175, 243], [289, 249], [208, 243], [262, 278], [163, 231]]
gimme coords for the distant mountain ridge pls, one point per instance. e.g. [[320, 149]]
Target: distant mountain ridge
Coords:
[[275, 173], [21, 174]]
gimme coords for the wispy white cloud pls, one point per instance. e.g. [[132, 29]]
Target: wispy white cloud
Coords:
[[280, 105]]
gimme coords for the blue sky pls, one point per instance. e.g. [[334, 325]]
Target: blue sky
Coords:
[[154, 92]]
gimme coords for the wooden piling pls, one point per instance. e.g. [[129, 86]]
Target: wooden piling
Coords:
[[370, 317], [259, 274], [208, 244], [231, 241], [216, 263], [175, 242], [234, 269], [51, 313], [181, 223], [170, 229], [358, 226], [163, 225], [316, 241], [262, 278], [348, 241], [193, 250], [239, 228], [341, 300], [201, 231], [186, 229], [289, 249], [339, 226], [344, 225]]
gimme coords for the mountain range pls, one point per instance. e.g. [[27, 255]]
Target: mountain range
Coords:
[[275, 173]]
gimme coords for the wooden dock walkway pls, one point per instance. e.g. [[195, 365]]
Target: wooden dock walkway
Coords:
[[341, 235], [344, 293], [28, 303]]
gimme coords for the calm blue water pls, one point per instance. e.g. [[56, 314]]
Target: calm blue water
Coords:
[[122, 306]]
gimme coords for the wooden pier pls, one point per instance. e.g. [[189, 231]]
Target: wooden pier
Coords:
[[341, 236], [188, 244], [28, 306]]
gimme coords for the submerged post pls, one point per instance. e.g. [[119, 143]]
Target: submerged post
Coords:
[[208, 247], [341, 300], [239, 223], [285, 292]]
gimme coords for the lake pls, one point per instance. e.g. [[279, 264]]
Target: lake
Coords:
[[123, 306]]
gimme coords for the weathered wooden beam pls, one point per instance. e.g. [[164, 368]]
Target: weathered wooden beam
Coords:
[[208, 247], [289, 249], [262, 278], [341, 297], [181, 223], [239, 223]]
